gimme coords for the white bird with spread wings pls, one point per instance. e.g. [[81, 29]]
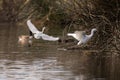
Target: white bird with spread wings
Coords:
[[81, 36], [39, 34]]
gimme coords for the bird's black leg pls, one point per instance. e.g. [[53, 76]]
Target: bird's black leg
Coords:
[[31, 34], [30, 39]]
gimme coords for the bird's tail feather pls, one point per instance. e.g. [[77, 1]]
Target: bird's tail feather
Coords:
[[70, 34]]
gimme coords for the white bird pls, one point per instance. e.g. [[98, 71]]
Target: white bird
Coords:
[[81, 36], [39, 34]]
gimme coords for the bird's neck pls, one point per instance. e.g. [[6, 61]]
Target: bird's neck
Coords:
[[43, 29], [91, 34]]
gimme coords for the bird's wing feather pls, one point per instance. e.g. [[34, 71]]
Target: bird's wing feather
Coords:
[[31, 27], [49, 38], [84, 32]]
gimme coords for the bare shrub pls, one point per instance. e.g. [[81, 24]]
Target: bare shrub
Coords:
[[102, 14]]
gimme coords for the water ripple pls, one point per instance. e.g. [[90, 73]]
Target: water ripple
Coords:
[[43, 69]]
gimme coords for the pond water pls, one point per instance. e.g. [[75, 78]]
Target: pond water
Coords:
[[43, 60]]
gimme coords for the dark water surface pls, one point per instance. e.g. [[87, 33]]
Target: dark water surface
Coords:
[[43, 61]]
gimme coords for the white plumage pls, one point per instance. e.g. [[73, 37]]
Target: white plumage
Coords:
[[81, 36], [39, 34]]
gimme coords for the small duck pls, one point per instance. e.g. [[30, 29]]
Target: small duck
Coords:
[[25, 39]]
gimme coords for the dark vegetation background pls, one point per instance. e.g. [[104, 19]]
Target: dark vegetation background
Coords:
[[70, 15]]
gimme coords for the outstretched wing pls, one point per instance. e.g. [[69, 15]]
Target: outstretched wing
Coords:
[[31, 27], [49, 38]]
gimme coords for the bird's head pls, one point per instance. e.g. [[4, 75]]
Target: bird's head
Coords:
[[94, 29]]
